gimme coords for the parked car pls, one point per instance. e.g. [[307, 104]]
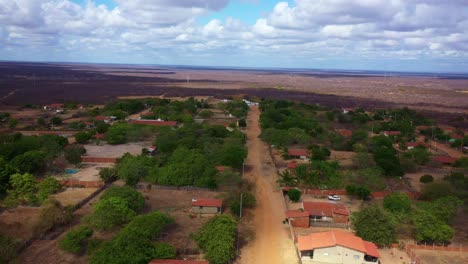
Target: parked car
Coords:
[[334, 197]]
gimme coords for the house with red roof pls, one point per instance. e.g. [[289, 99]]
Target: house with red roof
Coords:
[[345, 132], [298, 218], [105, 119], [54, 107], [152, 122], [412, 145], [336, 247], [207, 206], [347, 110], [177, 261], [326, 212], [445, 160], [299, 153]]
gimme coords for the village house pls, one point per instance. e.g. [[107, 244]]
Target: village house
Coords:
[[298, 218], [177, 261], [105, 119], [336, 247], [53, 107], [207, 206], [347, 110], [152, 122], [150, 150], [326, 212], [299, 153]]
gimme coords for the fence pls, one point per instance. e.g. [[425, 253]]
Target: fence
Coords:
[[84, 184], [166, 187], [98, 160], [409, 248]]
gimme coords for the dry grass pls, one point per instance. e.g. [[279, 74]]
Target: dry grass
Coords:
[[442, 257]]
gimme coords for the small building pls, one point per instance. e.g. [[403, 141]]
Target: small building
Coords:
[[336, 247], [299, 153], [292, 165], [177, 261], [326, 212], [445, 160], [422, 128], [105, 119], [347, 110], [298, 218], [153, 122], [99, 136], [207, 206], [151, 150], [412, 145], [391, 133], [456, 136], [54, 107]]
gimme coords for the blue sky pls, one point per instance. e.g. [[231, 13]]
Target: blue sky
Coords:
[[416, 35]]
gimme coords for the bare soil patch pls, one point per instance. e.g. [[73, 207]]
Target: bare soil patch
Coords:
[[344, 158], [72, 196], [442, 257], [115, 151], [18, 223], [177, 203]]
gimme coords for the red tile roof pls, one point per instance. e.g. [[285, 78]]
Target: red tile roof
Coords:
[[99, 136], [56, 105], [334, 238], [444, 159], [220, 168], [423, 127], [456, 136], [296, 213], [345, 132], [392, 133], [153, 122], [324, 208], [207, 202], [292, 165], [102, 118], [298, 152], [177, 261]]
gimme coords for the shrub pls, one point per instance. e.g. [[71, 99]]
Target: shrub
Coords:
[[248, 201], [52, 214], [431, 229], [397, 203], [134, 199], [74, 240], [426, 178], [8, 249], [47, 187], [107, 174], [110, 212], [375, 225], [362, 192], [217, 239], [82, 137], [294, 195]]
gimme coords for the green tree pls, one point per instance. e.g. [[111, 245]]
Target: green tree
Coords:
[[430, 229], [426, 178], [132, 168], [74, 240], [111, 212], [248, 201], [233, 155], [30, 162], [435, 190], [107, 174], [362, 192], [22, 190], [286, 178], [73, 154], [206, 113], [397, 203], [82, 137], [47, 187], [320, 153], [217, 239], [386, 159], [56, 121], [444, 208], [134, 198], [242, 122], [41, 122], [461, 162], [294, 195], [8, 249], [375, 225]]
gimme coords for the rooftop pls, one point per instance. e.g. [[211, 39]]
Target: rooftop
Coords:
[[298, 152], [324, 208], [207, 202], [153, 122], [177, 261], [336, 238]]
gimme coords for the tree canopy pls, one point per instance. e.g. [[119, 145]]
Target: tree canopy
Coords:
[[375, 225]]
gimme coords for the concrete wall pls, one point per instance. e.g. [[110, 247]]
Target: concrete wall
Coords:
[[205, 210], [299, 222]]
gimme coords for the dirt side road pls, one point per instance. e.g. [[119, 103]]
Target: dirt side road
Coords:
[[272, 244]]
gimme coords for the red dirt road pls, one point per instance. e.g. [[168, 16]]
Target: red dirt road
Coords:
[[272, 244]]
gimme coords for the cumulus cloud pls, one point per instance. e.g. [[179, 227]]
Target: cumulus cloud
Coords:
[[332, 28]]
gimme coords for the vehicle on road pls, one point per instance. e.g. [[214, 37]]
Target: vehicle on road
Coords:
[[334, 197]]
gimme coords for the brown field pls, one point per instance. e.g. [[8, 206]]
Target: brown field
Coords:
[[442, 97], [115, 151], [19, 222], [442, 257], [72, 196]]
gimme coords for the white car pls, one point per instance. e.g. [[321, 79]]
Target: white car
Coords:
[[334, 197]]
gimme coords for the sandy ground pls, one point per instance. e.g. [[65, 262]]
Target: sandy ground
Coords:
[[115, 151], [394, 256], [344, 158], [19, 222], [442, 257], [272, 243], [72, 196], [88, 172]]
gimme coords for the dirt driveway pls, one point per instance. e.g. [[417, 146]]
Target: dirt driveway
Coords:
[[272, 243]]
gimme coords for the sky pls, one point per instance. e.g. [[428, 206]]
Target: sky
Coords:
[[386, 35]]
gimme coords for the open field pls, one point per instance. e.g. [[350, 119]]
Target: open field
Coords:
[[442, 257], [97, 84], [19, 222], [115, 151]]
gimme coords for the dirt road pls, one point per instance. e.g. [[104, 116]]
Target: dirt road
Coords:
[[272, 244]]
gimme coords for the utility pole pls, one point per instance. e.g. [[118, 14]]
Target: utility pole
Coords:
[[240, 212]]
